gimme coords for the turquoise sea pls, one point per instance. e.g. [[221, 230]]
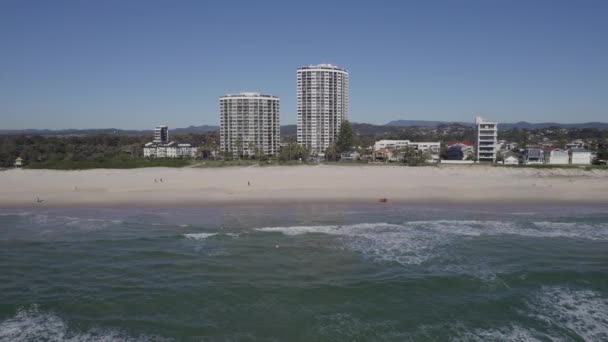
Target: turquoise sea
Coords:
[[379, 272]]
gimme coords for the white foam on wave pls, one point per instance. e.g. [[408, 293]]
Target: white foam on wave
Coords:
[[508, 333], [573, 230], [20, 214], [198, 236], [380, 241], [79, 223], [580, 312], [332, 229], [33, 324], [415, 242]]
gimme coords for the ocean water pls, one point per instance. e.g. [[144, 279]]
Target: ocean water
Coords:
[[305, 273]]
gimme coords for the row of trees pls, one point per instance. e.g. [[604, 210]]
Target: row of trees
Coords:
[[100, 149]]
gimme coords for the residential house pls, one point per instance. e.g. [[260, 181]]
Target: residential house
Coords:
[[533, 156], [554, 155], [18, 162], [350, 156], [580, 156], [460, 150]]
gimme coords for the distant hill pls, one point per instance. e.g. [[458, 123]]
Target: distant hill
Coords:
[[48, 132], [291, 130], [528, 125], [501, 126], [423, 123], [358, 128], [195, 129]]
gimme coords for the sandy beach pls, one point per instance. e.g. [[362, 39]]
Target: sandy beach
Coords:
[[288, 184]]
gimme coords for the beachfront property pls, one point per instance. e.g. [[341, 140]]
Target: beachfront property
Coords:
[[169, 150], [388, 149], [557, 156], [161, 147], [533, 155], [18, 162], [249, 124], [460, 150], [432, 148], [350, 156], [391, 144], [580, 156], [322, 105], [486, 134]]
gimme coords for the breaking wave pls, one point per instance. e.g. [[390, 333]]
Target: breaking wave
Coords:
[[513, 332], [198, 236], [580, 312], [32, 324], [415, 242]]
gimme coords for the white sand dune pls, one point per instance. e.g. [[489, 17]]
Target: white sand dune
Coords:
[[285, 184]]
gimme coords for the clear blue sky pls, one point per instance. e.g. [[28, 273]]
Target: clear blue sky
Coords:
[[136, 64]]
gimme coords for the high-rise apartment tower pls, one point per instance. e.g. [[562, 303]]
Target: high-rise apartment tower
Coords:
[[249, 124], [322, 105]]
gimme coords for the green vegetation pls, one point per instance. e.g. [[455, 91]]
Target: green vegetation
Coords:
[[115, 163], [344, 142], [293, 151], [94, 151], [412, 157]]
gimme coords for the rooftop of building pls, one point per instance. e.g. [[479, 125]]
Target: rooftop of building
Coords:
[[322, 66], [480, 120], [464, 143], [250, 94]]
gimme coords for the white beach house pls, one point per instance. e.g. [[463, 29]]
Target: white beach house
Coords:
[[556, 156], [580, 156]]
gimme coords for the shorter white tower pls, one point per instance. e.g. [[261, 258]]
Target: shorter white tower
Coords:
[[161, 134], [486, 136], [249, 123]]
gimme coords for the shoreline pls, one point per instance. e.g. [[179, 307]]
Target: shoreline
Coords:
[[193, 187]]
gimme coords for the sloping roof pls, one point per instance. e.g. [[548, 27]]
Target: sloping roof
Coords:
[[465, 143]]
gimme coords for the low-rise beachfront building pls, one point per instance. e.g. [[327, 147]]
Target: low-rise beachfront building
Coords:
[[580, 156], [460, 150], [162, 148], [393, 144], [432, 148], [555, 156], [350, 156], [18, 162], [533, 156]]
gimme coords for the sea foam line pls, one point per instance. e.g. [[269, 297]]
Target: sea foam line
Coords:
[[198, 236], [32, 324]]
